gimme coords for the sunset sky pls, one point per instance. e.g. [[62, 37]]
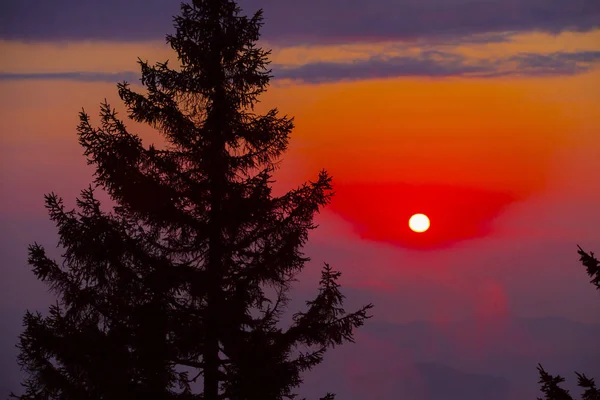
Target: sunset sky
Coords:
[[482, 114]]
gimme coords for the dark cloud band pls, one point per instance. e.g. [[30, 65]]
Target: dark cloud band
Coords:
[[302, 22]]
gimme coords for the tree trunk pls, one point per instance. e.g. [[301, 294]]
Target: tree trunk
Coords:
[[218, 181]]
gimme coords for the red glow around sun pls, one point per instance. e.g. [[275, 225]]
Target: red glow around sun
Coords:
[[380, 212]]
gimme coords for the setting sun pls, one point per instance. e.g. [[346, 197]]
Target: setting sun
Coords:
[[418, 223]]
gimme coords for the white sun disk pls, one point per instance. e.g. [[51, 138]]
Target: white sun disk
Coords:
[[418, 223]]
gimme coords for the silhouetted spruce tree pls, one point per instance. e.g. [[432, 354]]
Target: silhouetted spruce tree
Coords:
[[550, 385], [181, 272]]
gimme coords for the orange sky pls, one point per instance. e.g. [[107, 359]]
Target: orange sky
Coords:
[[472, 152], [497, 138]]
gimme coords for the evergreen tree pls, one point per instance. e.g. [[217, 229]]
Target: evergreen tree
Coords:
[[188, 274], [550, 385]]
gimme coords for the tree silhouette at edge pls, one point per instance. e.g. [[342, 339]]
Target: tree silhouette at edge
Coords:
[[550, 384]]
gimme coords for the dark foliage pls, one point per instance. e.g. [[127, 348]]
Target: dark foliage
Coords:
[[550, 385], [187, 275]]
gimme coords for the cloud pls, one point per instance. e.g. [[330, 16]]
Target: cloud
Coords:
[[73, 76], [86, 20], [433, 64], [441, 64], [305, 22], [558, 63], [314, 21]]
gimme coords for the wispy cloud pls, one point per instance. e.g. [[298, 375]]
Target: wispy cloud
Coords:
[[305, 22], [441, 64], [558, 63], [427, 64], [432, 64], [73, 76]]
